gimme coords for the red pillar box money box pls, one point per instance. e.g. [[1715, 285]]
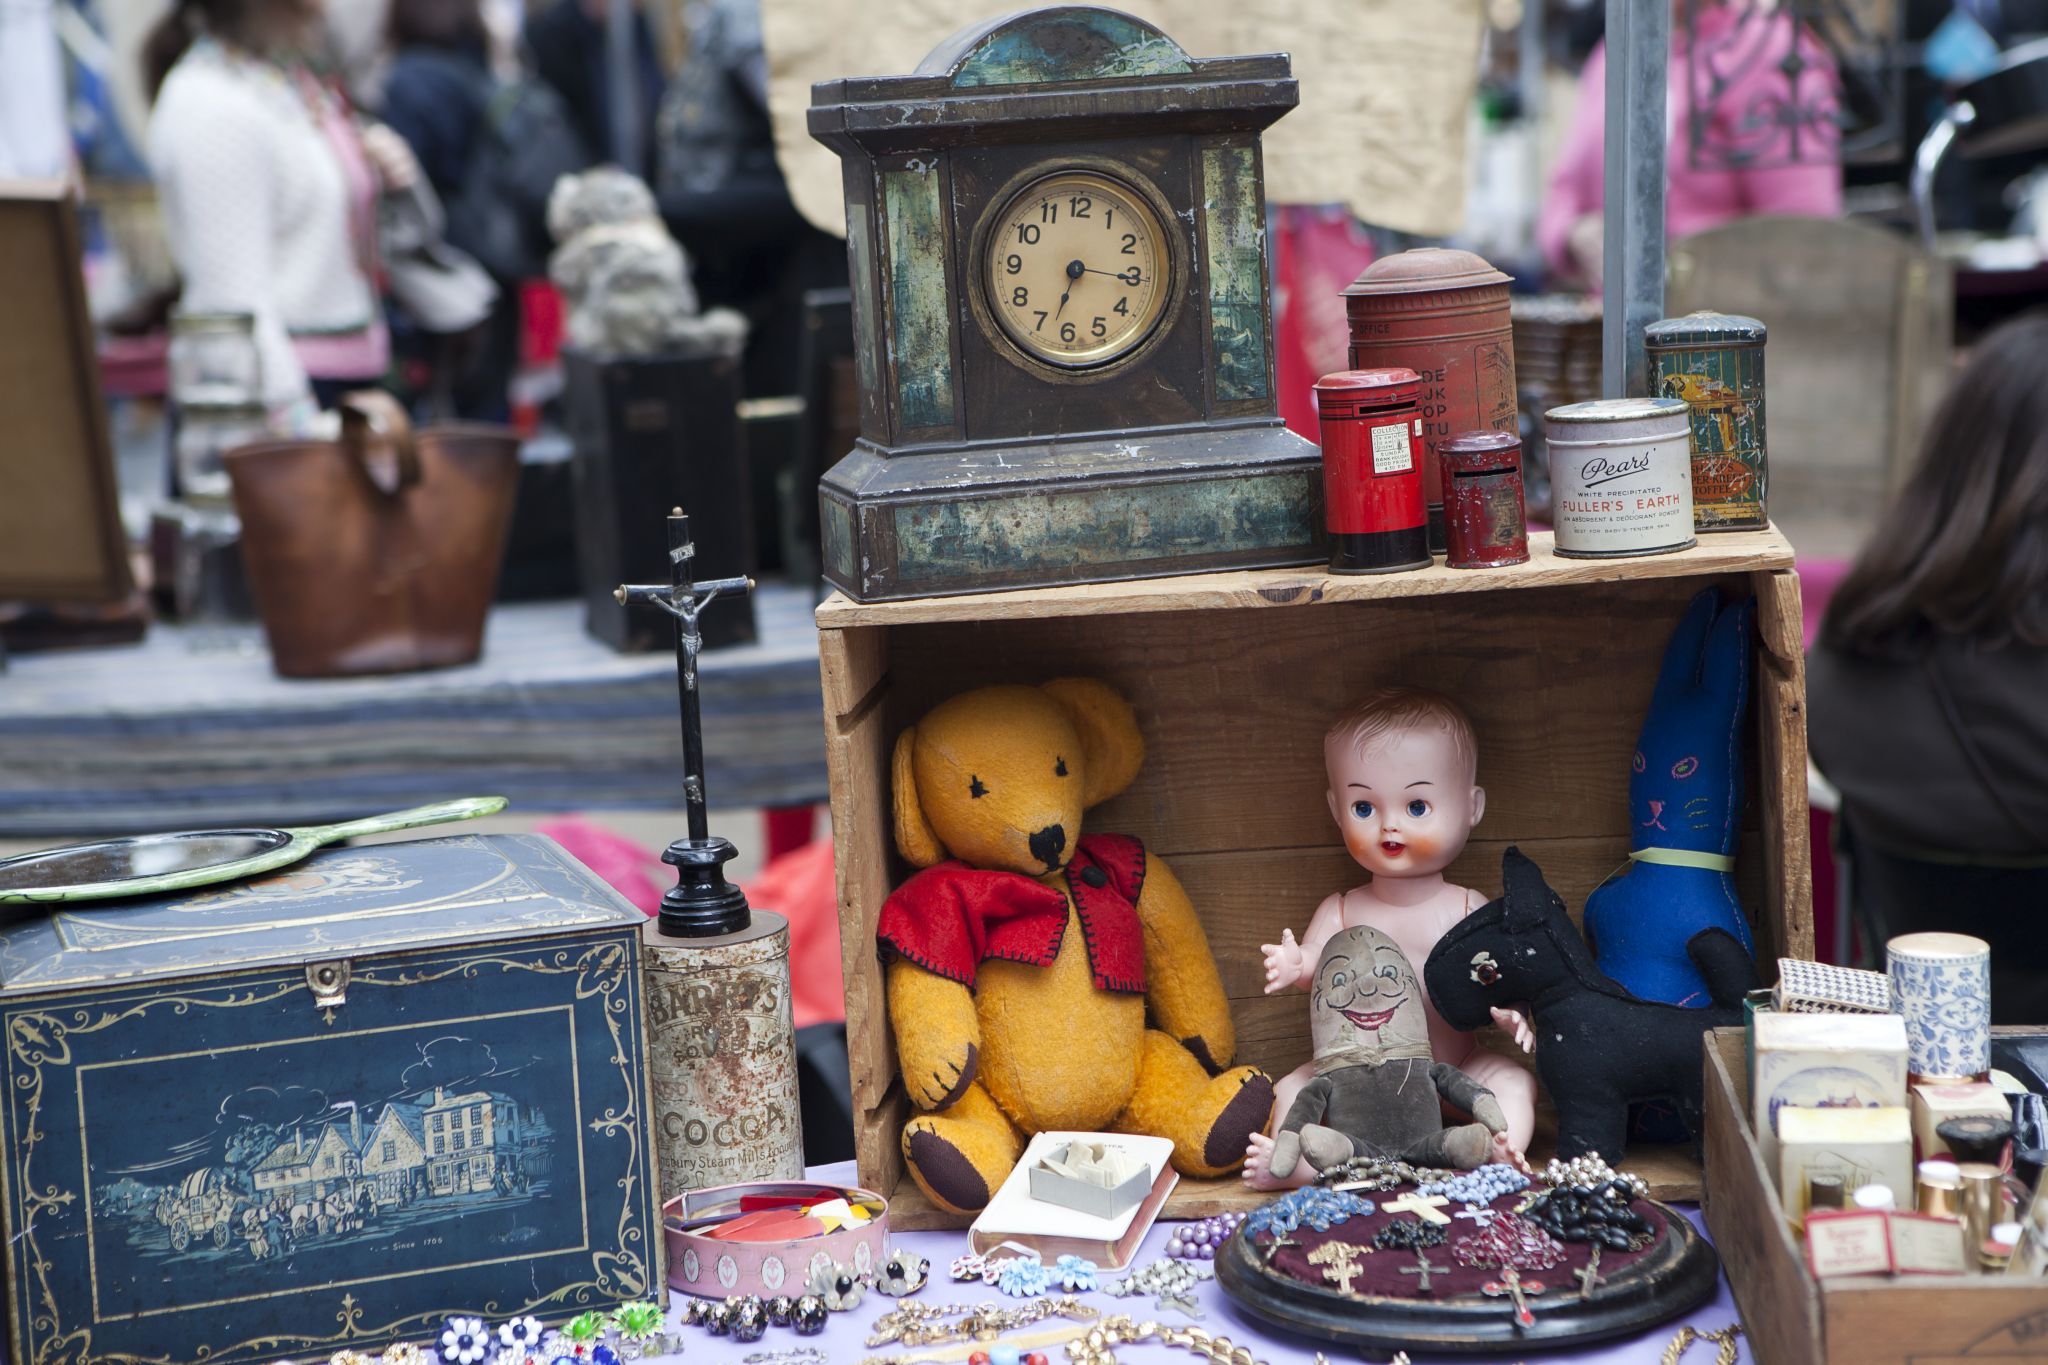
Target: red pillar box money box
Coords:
[[1372, 476], [1444, 313], [1484, 522]]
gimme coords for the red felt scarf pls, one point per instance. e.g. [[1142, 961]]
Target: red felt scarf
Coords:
[[951, 918]]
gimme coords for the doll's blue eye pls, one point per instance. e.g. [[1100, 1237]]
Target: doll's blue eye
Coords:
[[1362, 809], [1685, 767], [1418, 808]]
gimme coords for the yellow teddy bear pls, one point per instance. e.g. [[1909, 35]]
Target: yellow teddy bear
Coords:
[[1024, 961]]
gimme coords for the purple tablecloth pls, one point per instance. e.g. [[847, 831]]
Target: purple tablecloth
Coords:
[[844, 1340]]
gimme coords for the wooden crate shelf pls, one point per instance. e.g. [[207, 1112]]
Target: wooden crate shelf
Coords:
[[1236, 675]]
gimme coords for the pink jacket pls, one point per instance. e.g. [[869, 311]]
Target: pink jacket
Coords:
[[1699, 199]]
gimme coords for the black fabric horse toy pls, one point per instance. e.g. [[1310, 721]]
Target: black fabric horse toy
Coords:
[[1599, 1049]]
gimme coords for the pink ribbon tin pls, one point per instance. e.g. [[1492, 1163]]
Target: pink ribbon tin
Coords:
[[716, 1268]]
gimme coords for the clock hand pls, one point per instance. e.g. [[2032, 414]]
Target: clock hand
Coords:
[[1130, 276], [1075, 270]]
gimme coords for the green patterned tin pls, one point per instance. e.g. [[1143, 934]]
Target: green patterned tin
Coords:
[[1715, 362]]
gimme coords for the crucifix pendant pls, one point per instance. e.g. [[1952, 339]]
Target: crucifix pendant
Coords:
[[1422, 1270], [1513, 1286], [1590, 1275], [1340, 1261]]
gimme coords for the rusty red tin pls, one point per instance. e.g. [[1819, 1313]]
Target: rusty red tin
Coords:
[[1443, 313], [1372, 475], [1485, 525]]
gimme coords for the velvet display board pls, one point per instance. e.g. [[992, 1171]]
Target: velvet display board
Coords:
[[1671, 1276]]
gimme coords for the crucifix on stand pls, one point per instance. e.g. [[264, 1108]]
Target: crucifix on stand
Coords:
[[702, 903]]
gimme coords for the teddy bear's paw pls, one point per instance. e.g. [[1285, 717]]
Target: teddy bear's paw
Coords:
[[956, 1164], [1238, 1102], [943, 1083]]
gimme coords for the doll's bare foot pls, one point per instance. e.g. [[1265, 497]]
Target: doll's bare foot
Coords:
[[1258, 1160], [1504, 1150]]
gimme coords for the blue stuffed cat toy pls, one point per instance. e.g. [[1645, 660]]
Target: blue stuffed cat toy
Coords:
[[1685, 805]]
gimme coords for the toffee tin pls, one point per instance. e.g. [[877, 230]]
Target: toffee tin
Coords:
[[1621, 477], [1715, 363]]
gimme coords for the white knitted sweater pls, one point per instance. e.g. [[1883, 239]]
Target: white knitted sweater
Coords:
[[256, 208]]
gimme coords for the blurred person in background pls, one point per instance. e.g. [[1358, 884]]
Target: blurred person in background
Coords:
[[491, 141], [269, 193], [568, 41], [723, 195], [1568, 227], [1927, 691], [35, 140]]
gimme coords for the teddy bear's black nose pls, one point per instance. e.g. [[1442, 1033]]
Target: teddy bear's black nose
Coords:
[[1048, 844]]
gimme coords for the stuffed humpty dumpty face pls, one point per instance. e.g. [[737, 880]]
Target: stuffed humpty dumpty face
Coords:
[[1365, 1005]]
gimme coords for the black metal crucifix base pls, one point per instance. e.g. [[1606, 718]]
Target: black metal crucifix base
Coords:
[[702, 903]]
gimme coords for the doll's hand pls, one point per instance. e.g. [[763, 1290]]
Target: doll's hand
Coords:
[[1283, 962], [1517, 1026]]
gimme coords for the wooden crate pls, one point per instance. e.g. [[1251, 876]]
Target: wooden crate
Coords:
[[1790, 1318], [1235, 677]]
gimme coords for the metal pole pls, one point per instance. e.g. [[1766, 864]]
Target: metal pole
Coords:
[[1529, 74], [1632, 219], [622, 64]]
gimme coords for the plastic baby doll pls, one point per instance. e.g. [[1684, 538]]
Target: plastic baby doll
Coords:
[[1402, 768]]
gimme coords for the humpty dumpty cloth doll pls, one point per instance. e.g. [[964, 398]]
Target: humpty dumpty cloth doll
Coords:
[[1376, 1086], [1402, 767]]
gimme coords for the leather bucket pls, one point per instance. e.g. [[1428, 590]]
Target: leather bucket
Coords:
[[377, 552]]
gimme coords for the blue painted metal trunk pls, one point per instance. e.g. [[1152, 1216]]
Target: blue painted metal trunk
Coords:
[[325, 1109]]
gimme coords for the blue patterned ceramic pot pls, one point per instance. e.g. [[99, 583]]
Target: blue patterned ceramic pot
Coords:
[[1941, 983]]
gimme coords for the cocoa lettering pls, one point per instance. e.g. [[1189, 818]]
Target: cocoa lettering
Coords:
[[736, 1130]]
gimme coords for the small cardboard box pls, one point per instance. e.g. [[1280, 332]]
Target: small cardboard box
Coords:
[[1861, 1146], [1934, 1103], [1098, 1201], [1824, 1061]]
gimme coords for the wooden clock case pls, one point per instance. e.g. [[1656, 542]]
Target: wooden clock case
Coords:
[[979, 466]]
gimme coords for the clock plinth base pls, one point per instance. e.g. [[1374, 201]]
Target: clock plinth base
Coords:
[[1097, 509]]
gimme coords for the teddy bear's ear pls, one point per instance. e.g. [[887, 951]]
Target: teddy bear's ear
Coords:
[[915, 839], [1112, 747]]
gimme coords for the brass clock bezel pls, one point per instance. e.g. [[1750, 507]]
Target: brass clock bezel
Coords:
[[996, 208]]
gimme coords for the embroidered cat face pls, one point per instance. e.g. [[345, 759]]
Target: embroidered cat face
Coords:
[[1685, 779], [1365, 1005]]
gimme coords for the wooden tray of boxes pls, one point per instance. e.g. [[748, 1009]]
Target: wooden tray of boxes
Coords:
[[1789, 1317], [1236, 675]]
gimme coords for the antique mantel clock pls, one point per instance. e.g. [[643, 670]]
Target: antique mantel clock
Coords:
[[1056, 229]]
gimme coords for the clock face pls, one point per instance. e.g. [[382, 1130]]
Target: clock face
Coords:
[[1077, 269]]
